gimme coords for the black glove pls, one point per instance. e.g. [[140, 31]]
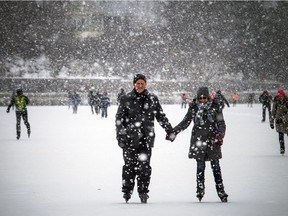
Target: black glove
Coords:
[[171, 136], [8, 110], [219, 140], [122, 141], [272, 125]]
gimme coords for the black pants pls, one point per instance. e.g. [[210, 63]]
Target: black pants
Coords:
[[137, 164], [75, 108], [264, 107], [215, 165], [282, 143], [24, 115], [104, 112]]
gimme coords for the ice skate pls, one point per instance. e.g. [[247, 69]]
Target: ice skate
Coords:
[[200, 191], [29, 132], [199, 194], [127, 196], [143, 197], [221, 193], [18, 135], [223, 196]]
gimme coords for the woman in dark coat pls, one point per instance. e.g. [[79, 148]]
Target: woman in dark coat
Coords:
[[206, 139], [135, 135], [280, 117]]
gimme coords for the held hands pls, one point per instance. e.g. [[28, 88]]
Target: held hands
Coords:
[[171, 136], [219, 140]]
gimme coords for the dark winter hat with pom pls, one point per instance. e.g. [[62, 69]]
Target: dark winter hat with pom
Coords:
[[138, 77], [203, 91]]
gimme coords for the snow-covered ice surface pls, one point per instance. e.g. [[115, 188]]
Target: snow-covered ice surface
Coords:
[[71, 166]]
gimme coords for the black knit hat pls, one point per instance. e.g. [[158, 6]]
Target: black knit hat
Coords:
[[203, 91], [138, 77]]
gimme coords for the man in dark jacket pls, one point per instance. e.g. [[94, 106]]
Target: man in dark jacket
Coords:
[[207, 137], [266, 99], [20, 102], [135, 135], [221, 100]]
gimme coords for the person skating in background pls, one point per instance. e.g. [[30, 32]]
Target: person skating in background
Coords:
[[135, 135], [234, 98], [20, 102], [120, 94], [265, 98], [183, 101], [69, 96], [75, 100], [206, 140], [221, 100], [104, 104], [250, 99], [279, 117], [91, 101]]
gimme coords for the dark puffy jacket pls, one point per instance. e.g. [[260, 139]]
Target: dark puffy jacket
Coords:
[[135, 118], [265, 99], [208, 123], [105, 101]]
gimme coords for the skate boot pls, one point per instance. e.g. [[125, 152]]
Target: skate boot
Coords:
[[282, 148], [127, 196], [18, 135], [200, 194], [221, 193], [143, 197], [200, 191], [29, 132]]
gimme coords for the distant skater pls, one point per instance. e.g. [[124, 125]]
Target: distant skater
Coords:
[[20, 102]]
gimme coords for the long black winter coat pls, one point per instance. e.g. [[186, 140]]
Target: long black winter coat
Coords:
[[208, 122], [280, 114], [135, 118]]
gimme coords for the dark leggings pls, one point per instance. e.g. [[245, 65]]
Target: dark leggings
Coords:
[[24, 115], [215, 165], [281, 141]]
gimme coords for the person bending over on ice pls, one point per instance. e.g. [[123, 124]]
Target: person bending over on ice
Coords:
[[20, 102], [207, 137], [135, 135]]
